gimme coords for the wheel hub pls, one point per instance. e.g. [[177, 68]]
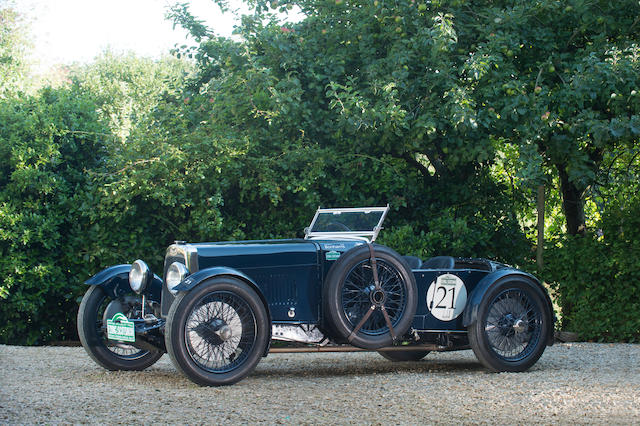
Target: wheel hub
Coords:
[[519, 326], [507, 324], [513, 325], [215, 331], [377, 297], [224, 332]]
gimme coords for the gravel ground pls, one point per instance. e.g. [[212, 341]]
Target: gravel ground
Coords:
[[572, 383]]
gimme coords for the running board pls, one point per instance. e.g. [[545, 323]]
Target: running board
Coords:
[[348, 348]]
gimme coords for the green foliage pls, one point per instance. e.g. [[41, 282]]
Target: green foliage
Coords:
[[60, 217], [127, 89], [13, 47], [597, 278], [556, 81], [47, 142], [451, 111], [337, 111]]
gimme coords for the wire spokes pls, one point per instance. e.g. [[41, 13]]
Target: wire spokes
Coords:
[[513, 325], [121, 349], [220, 331], [357, 298]]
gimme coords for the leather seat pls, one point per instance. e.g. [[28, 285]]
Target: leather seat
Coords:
[[439, 262], [413, 261]]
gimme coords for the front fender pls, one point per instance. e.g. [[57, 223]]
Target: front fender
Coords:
[[115, 282], [470, 314], [199, 277]]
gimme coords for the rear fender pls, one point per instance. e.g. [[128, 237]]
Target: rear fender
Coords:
[[470, 314], [203, 275], [115, 282]]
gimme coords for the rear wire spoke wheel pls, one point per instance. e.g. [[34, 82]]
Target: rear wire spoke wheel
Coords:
[[513, 326], [96, 307], [217, 332], [350, 292]]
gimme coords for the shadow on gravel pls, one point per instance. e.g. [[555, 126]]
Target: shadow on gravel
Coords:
[[149, 379], [349, 369], [161, 378]]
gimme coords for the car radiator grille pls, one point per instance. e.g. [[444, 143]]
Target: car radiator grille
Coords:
[[167, 297]]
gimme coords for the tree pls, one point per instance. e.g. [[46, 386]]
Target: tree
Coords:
[[13, 46], [128, 88], [368, 94], [47, 142], [559, 82]]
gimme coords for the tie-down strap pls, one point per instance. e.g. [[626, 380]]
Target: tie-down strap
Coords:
[[374, 306]]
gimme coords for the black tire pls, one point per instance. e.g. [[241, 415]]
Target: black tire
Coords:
[[402, 356], [217, 332], [348, 295], [92, 332], [513, 325]]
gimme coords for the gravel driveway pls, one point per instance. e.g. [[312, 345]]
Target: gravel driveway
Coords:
[[572, 383]]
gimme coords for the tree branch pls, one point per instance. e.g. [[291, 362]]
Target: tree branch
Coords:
[[410, 158]]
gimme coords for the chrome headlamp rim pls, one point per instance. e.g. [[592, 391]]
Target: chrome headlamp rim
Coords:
[[176, 273], [139, 276]]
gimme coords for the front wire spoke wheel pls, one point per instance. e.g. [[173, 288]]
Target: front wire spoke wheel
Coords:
[[95, 309], [217, 332], [220, 332]]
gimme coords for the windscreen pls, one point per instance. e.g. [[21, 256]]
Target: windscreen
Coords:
[[347, 221]]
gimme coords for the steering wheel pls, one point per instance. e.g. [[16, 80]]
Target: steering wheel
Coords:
[[340, 226]]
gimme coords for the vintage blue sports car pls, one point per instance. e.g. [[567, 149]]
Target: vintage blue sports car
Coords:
[[221, 305]]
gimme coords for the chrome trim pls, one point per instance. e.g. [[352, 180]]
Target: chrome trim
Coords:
[[343, 237], [183, 273], [301, 333], [378, 228], [307, 230], [188, 252], [146, 273]]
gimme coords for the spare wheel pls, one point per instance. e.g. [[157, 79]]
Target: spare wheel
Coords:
[[359, 311]]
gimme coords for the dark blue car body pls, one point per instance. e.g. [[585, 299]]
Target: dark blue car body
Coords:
[[290, 274], [292, 279]]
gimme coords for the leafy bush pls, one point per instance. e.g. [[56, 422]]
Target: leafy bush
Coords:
[[62, 213], [47, 142], [449, 113], [597, 278]]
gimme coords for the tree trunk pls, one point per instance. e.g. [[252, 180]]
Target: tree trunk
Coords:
[[540, 207], [572, 204], [573, 208]]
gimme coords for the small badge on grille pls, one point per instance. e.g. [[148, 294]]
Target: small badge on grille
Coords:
[[332, 255]]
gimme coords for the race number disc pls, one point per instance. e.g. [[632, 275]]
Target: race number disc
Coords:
[[447, 297]]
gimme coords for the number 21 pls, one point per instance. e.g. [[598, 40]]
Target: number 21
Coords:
[[444, 295]]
